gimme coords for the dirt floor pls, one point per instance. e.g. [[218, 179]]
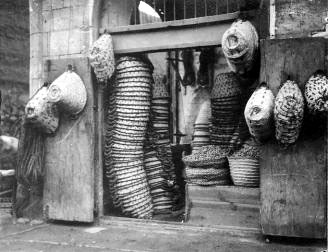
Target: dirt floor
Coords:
[[124, 235]]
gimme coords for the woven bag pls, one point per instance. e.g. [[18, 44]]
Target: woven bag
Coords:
[[41, 112], [316, 93], [69, 92], [226, 85], [288, 113], [259, 113], [102, 58], [240, 46]]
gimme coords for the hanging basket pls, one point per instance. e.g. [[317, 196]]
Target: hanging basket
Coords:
[[41, 112], [259, 113], [288, 113], [102, 57], [240, 45], [69, 92], [244, 171], [316, 93]]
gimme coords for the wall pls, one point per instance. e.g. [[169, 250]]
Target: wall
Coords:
[[297, 18], [14, 63]]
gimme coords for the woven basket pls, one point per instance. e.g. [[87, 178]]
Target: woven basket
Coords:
[[226, 85], [41, 112], [259, 113], [316, 93], [240, 45], [245, 171], [102, 58], [69, 92], [288, 113]]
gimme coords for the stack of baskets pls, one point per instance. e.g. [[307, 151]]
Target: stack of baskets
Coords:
[[288, 113], [245, 167], [128, 118], [160, 142], [201, 136], [228, 126], [207, 166], [160, 190]]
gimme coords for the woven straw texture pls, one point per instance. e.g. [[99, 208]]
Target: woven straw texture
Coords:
[[68, 92], [245, 171], [41, 112], [288, 113], [127, 120], [240, 45], [102, 58], [316, 93], [259, 113]]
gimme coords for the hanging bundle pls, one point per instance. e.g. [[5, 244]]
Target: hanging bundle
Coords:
[[102, 58], [240, 46], [29, 171], [41, 113], [259, 113], [288, 113], [316, 93], [68, 92]]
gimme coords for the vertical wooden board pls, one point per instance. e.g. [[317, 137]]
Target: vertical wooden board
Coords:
[[297, 58], [293, 180], [69, 161], [293, 189]]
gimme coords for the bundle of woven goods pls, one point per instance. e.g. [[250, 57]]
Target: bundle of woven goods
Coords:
[[288, 113], [127, 120], [240, 46], [244, 165], [201, 135], [158, 158], [316, 93], [259, 113], [228, 126], [207, 166]]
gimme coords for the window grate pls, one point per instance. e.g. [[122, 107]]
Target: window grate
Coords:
[[170, 10]]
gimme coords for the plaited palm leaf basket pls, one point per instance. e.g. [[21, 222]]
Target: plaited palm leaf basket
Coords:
[[259, 113], [244, 165]]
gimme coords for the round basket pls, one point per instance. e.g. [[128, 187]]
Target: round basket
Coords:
[[245, 171], [69, 92]]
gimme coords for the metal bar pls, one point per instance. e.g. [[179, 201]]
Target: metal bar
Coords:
[[216, 7], [195, 8], [184, 9], [205, 6], [135, 12], [227, 6], [174, 11], [164, 6]]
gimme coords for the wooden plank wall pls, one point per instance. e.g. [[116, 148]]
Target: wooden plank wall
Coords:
[[293, 180], [69, 159]]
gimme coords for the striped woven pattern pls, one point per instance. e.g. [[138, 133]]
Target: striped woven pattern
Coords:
[[127, 120]]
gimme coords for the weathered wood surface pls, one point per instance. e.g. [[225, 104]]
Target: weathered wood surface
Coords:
[[223, 206], [69, 159], [297, 58], [299, 18], [293, 180]]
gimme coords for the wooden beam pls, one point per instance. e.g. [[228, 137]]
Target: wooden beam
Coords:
[[188, 33]]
